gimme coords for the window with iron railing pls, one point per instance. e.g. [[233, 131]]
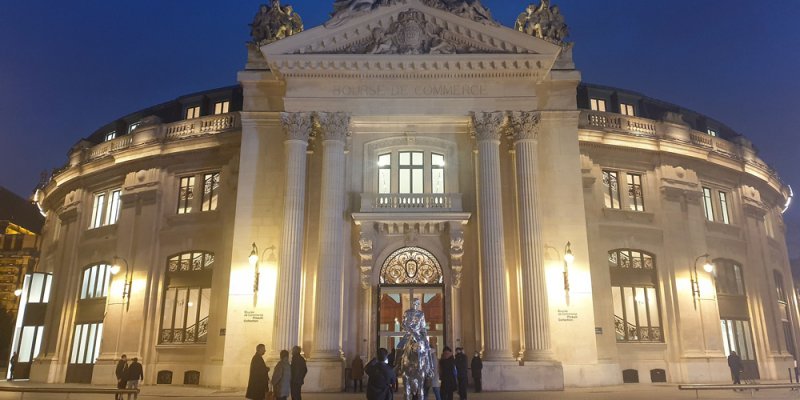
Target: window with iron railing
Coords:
[[634, 293], [187, 299]]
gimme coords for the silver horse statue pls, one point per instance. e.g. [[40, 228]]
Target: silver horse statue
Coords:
[[416, 362]]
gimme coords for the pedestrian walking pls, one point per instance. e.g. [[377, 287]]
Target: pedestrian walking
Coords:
[[299, 371], [121, 372], [477, 371], [381, 377], [12, 364], [282, 377], [258, 383], [448, 374], [357, 374], [735, 364], [463, 375], [436, 384], [135, 375]]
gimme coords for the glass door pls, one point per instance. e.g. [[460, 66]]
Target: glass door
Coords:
[[393, 301]]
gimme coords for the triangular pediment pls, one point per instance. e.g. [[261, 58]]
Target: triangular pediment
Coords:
[[410, 35]]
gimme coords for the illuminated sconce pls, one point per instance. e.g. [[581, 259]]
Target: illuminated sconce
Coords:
[[126, 288], [254, 261], [568, 259], [18, 292], [708, 266]]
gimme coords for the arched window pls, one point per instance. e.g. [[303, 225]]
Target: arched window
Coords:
[[637, 311], [94, 281], [187, 299], [411, 266]]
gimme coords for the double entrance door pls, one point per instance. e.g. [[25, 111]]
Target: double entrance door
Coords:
[[393, 301]]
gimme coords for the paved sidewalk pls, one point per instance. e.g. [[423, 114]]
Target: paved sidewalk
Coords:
[[627, 392]]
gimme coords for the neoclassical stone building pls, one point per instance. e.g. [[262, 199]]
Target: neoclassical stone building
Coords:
[[413, 150]]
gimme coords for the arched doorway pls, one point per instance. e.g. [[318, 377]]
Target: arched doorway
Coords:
[[408, 273]]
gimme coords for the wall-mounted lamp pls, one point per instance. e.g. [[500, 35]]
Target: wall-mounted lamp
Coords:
[[18, 292], [568, 259], [254, 261], [126, 288], [708, 266]]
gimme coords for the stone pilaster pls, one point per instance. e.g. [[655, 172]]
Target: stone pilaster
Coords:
[[497, 336], [524, 130], [297, 127], [327, 327]]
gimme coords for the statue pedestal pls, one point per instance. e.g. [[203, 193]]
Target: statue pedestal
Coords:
[[511, 376], [324, 376]]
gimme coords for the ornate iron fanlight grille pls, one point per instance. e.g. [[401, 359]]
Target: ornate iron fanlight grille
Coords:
[[411, 266]]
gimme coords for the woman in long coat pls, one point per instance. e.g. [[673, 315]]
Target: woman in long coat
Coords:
[[258, 383]]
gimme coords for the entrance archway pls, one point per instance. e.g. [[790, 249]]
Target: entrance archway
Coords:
[[408, 273]]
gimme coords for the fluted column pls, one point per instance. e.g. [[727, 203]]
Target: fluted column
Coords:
[[297, 127], [497, 337], [327, 328], [535, 313]]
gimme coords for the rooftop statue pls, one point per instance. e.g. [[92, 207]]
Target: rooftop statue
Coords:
[[471, 9], [274, 22], [416, 362], [544, 22]]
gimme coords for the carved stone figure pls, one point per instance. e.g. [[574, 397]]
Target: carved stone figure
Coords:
[[274, 22], [412, 33], [471, 9], [544, 22], [415, 356]]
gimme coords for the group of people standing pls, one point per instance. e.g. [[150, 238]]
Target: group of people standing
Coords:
[[128, 375], [450, 375], [287, 379]]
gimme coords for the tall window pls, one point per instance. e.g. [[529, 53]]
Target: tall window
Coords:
[[626, 109], [95, 280], [187, 299], [708, 204], [185, 195], [437, 173], [723, 208], [86, 343], [598, 105], [411, 171], [611, 183], [105, 208], [768, 227], [737, 336], [210, 191], [193, 112], [635, 192], [730, 279], [385, 173], [637, 314], [221, 107]]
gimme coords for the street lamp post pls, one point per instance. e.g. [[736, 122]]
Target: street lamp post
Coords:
[[126, 289], [695, 279]]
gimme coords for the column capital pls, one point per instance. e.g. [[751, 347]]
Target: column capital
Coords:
[[488, 125], [297, 125], [523, 126], [334, 125]]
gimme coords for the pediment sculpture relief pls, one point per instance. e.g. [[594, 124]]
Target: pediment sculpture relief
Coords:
[[470, 9]]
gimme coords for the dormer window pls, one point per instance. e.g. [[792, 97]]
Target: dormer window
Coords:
[[193, 112], [132, 127], [221, 107], [598, 105], [110, 136], [626, 109], [712, 132]]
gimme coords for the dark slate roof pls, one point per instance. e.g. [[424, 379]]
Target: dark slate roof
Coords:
[[20, 211]]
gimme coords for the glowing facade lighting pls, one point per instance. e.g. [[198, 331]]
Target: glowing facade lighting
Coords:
[[788, 201]]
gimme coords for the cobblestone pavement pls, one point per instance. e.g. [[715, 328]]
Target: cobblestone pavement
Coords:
[[628, 392]]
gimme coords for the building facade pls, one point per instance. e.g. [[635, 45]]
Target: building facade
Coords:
[[416, 150]]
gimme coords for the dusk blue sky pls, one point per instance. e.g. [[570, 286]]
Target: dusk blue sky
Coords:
[[69, 67]]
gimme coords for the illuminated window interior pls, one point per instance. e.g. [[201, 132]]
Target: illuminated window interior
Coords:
[[598, 105]]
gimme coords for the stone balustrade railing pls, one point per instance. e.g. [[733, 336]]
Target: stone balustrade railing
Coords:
[[395, 202], [106, 148], [742, 150], [201, 126]]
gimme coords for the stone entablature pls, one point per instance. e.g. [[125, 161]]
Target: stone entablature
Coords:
[[652, 135]]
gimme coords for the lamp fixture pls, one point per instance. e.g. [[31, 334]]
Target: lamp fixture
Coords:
[[254, 261], [567, 259], [18, 292], [708, 266], [126, 288]]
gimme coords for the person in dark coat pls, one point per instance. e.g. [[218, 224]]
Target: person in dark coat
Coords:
[[463, 375], [447, 374], [135, 374], [299, 371], [258, 383], [381, 377], [735, 364], [477, 371], [121, 372], [357, 374], [391, 360]]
